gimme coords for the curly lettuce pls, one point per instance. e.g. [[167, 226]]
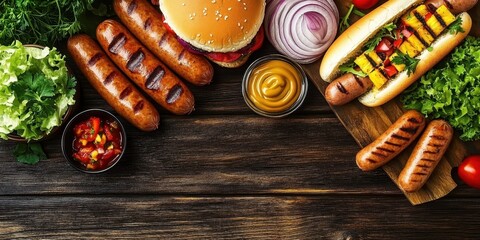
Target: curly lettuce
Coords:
[[35, 90], [451, 90]]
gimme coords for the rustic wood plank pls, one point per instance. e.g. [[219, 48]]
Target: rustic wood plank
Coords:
[[218, 154], [213, 155], [152, 217]]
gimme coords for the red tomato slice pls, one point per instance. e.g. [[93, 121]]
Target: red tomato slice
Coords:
[[406, 33], [384, 46], [469, 171], [364, 4], [428, 16], [397, 43], [390, 71]]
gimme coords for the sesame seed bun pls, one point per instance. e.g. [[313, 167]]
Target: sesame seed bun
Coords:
[[215, 25]]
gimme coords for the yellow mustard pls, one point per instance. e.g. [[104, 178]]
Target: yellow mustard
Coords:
[[274, 86]]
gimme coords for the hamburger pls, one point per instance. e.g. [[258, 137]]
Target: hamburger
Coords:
[[225, 31]]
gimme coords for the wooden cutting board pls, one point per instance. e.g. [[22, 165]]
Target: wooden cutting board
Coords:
[[365, 124]]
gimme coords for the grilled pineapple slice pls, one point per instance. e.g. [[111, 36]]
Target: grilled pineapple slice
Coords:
[[416, 43], [411, 20], [364, 64], [374, 56], [435, 25], [425, 35], [446, 15], [377, 78], [407, 48]]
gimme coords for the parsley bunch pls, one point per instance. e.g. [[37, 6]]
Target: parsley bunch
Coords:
[[43, 22]]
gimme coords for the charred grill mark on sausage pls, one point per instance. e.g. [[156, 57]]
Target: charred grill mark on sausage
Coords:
[[385, 149], [414, 120], [139, 106], [438, 137], [174, 93], [427, 160], [359, 81], [153, 81], [94, 59], [135, 60], [342, 88], [371, 160], [126, 92], [148, 24], [393, 144], [162, 39], [110, 78], [131, 7], [379, 154], [117, 42], [181, 55], [396, 136], [409, 130]]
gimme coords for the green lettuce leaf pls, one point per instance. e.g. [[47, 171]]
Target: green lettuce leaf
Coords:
[[451, 90]]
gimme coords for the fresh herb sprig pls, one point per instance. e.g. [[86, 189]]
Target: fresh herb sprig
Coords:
[[29, 153], [409, 62], [456, 27], [44, 22], [386, 31], [350, 68], [345, 21]]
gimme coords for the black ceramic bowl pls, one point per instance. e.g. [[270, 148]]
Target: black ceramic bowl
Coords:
[[68, 137]]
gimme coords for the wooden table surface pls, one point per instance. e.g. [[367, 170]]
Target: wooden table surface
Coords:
[[225, 173]]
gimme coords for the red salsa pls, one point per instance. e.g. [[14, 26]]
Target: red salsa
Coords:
[[97, 143]]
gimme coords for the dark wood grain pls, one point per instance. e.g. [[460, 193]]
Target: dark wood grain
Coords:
[[225, 173], [148, 217]]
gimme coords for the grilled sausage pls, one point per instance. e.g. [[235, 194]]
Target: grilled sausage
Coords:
[[426, 155], [388, 145], [140, 65], [111, 84], [455, 6], [145, 22], [346, 88]]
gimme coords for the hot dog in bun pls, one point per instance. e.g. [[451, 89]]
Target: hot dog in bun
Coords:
[[387, 50], [226, 32]]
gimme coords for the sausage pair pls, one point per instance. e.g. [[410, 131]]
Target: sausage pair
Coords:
[[425, 156]]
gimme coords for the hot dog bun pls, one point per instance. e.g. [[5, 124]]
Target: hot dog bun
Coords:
[[440, 48], [350, 43]]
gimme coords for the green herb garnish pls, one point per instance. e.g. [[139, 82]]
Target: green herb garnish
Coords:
[[29, 153], [45, 22], [386, 31], [350, 68], [409, 62], [456, 27], [451, 90], [345, 21]]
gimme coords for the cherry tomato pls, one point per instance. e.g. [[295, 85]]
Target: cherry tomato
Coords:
[[469, 171], [364, 4]]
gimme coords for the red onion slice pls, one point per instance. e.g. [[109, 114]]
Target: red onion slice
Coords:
[[301, 29]]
